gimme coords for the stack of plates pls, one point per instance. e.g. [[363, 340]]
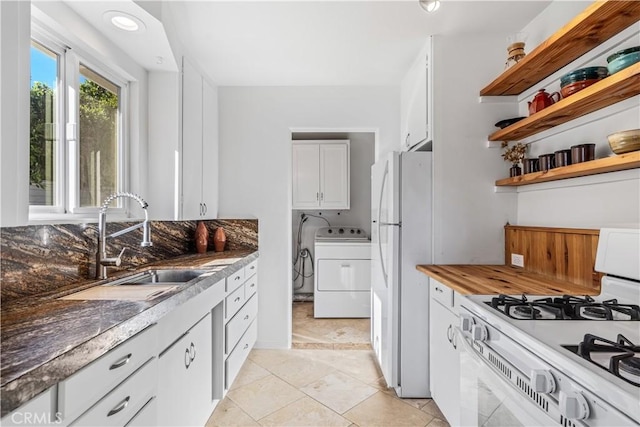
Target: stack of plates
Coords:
[[623, 59], [577, 80]]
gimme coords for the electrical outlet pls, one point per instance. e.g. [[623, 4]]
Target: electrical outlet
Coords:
[[517, 260]]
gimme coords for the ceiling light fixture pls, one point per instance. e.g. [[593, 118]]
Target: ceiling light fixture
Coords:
[[124, 21], [430, 5]]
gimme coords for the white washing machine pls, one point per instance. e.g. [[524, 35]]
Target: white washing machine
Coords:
[[342, 279]]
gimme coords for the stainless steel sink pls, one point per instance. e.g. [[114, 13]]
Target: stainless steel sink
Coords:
[[176, 276]]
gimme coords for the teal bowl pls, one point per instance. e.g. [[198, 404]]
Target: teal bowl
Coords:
[[623, 52], [623, 61], [589, 73]]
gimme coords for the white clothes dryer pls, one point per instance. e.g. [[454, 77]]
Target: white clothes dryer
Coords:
[[342, 279]]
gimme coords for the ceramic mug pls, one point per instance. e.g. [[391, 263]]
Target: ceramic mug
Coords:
[[583, 153], [546, 162], [562, 158], [530, 165]]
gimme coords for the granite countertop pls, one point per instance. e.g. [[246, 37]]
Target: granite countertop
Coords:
[[501, 279], [45, 340]]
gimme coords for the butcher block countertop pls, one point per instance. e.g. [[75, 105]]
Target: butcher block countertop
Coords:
[[501, 279]]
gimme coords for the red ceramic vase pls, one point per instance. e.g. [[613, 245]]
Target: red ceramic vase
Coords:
[[219, 239], [201, 237]]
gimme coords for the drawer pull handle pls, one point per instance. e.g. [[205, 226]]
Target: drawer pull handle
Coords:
[[246, 317], [253, 267], [253, 285], [236, 278], [119, 407], [237, 299], [246, 346], [121, 362], [438, 289]]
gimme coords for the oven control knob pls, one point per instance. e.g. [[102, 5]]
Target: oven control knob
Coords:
[[466, 322], [573, 405], [479, 333], [542, 381]]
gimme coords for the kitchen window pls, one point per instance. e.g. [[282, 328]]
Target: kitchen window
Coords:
[[76, 146]]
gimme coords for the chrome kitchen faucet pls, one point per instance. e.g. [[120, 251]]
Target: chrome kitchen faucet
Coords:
[[102, 262]]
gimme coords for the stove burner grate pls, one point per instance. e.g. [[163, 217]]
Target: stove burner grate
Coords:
[[626, 361]]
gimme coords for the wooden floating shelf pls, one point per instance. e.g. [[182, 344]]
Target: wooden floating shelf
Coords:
[[596, 24], [615, 88], [593, 167]]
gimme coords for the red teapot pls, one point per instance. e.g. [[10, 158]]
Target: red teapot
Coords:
[[542, 100]]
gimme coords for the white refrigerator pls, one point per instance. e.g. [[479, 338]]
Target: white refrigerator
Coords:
[[400, 239]]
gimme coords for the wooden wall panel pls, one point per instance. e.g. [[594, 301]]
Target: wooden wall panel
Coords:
[[566, 254]]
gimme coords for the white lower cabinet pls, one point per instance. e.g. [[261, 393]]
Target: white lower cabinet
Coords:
[[444, 355], [39, 411], [119, 406], [185, 378]]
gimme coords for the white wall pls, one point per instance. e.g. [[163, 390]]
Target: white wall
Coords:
[[359, 215], [611, 199], [15, 18], [255, 170], [468, 215]]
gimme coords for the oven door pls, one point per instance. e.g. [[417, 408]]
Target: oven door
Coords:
[[486, 397]]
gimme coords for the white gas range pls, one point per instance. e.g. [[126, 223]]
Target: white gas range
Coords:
[[570, 361]]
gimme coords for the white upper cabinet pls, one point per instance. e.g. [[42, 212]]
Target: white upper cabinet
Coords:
[[199, 145], [321, 175], [192, 160], [416, 102], [209, 150]]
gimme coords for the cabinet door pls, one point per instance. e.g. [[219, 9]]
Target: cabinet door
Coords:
[[192, 159], [209, 150], [185, 378], [306, 176], [334, 176], [444, 361]]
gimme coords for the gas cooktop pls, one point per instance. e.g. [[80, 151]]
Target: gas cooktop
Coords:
[[564, 308]]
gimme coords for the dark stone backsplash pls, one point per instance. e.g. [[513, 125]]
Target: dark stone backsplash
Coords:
[[42, 259]]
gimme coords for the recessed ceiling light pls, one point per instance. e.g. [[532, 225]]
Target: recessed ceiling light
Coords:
[[124, 21], [430, 5]]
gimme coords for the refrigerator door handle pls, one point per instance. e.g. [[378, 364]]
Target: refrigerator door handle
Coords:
[[393, 224], [384, 181]]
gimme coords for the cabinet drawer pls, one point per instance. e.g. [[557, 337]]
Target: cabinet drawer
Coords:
[[233, 302], [250, 287], [236, 326], [441, 293], [147, 416], [87, 386], [235, 280], [251, 269], [124, 402], [239, 355]]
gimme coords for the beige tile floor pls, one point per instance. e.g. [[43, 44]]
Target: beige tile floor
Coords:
[[318, 387], [337, 334]]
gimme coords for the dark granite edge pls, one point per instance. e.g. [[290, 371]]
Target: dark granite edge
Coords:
[[19, 390]]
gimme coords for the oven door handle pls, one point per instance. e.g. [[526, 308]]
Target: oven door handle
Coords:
[[519, 394]]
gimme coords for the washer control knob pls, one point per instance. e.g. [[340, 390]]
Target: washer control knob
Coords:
[[573, 405], [329, 231], [479, 332], [466, 322], [341, 231], [542, 381]]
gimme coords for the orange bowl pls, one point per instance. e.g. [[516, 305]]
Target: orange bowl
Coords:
[[577, 87]]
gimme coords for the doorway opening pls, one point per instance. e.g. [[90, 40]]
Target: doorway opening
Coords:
[[331, 286]]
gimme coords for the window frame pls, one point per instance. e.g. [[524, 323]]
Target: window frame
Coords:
[[67, 193]]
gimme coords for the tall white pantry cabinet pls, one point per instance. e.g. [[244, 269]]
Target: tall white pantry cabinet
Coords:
[[199, 145], [320, 174]]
